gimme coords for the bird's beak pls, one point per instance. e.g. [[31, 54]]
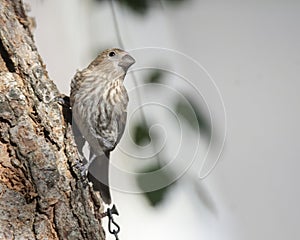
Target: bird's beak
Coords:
[[126, 61]]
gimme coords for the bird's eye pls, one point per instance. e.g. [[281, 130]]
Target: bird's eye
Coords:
[[111, 54]]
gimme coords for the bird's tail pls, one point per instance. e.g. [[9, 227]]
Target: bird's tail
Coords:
[[98, 174]]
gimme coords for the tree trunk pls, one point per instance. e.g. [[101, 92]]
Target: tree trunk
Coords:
[[42, 195]]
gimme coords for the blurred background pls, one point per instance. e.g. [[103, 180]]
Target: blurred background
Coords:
[[211, 146]]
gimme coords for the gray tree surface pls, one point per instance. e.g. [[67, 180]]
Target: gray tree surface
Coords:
[[42, 195]]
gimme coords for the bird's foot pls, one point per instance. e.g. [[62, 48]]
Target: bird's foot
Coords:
[[63, 100], [82, 169]]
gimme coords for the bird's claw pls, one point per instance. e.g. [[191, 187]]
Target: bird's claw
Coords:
[[63, 100], [82, 168], [82, 171]]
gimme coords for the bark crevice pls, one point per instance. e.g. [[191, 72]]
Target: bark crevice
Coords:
[[6, 59]]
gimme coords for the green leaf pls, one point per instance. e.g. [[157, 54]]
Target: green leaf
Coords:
[[146, 181], [155, 77], [193, 115], [141, 134], [138, 6], [142, 6]]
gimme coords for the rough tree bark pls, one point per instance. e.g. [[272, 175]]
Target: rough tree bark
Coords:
[[41, 193]]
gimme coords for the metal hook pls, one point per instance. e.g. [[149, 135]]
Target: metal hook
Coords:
[[110, 212]]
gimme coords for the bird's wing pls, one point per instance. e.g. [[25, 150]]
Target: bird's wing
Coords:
[[121, 125], [75, 85], [103, 125]]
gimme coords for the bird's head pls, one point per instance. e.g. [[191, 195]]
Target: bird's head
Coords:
[[113, 61]]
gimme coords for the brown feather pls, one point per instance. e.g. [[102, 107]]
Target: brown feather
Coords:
[[99, 101]]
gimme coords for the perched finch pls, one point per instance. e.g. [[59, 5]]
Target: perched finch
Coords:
[[99, 101]]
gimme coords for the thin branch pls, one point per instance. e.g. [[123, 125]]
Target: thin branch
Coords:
[[122, 45]]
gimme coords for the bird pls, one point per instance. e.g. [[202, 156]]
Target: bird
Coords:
[[99, 100]]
